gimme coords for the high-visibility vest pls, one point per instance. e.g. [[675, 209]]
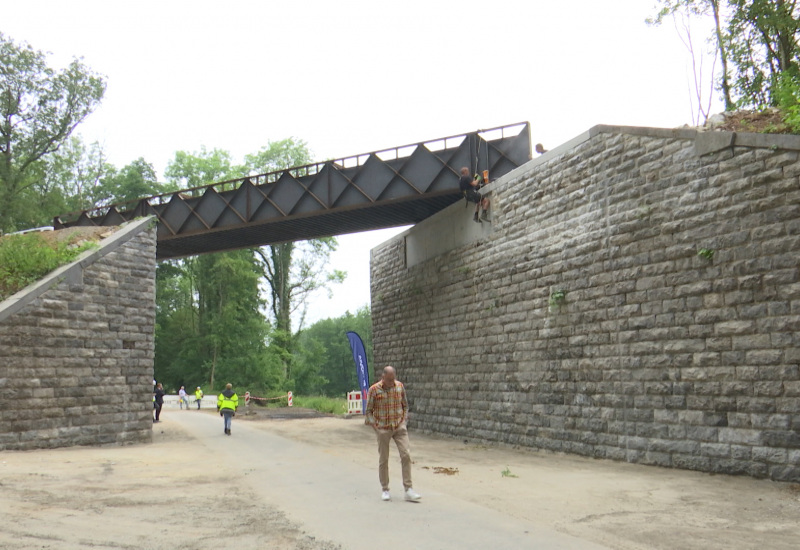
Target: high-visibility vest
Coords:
[[198, 394], [231, 402]]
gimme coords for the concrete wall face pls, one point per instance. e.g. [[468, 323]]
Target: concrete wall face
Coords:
[[76, 364], [656, 355]]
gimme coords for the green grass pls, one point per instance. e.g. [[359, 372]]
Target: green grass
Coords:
[[24, 259], [329, 405]]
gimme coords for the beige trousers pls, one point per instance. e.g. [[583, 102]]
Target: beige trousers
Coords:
[[400, 436]]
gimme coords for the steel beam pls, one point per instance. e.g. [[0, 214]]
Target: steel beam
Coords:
[[388, 188]]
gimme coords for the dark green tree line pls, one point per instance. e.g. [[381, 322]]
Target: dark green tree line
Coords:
[[324, 361]]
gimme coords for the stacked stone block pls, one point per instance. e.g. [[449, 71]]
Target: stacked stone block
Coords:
[[676, 340], [76, 362]]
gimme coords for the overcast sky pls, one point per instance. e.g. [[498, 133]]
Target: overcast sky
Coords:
[[350, 77]]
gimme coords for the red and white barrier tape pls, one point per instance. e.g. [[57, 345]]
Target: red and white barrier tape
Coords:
[[268, 398]]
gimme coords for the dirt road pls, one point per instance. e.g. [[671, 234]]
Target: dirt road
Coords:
[[311, 484]]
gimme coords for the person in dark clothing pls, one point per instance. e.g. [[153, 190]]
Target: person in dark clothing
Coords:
[[159, 401], [469, 187]]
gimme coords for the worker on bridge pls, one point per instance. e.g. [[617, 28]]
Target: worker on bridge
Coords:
[[198, 396], [469, 188]]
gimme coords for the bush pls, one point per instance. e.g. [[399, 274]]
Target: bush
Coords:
[[24, 259], [787, 94]]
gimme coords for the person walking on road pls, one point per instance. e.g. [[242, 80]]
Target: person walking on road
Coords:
[[387, 413], [198, 395], [158, 393], [227, 403], [183, 398]]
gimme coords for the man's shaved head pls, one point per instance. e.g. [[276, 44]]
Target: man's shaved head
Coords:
[[388, 375]]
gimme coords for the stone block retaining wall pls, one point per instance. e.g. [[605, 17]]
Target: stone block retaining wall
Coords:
[[76, 350], [636, 298]]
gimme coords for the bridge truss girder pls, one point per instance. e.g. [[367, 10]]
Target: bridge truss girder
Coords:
[[389, 188]]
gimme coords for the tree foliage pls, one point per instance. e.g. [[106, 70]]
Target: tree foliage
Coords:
[[228, 315], [209, 312], [40, 107], [291, 270], [324, 361], [132, 182], [762, 36], [755, 40], [72, 177], [223, 317], [683, 13], [192, 170]]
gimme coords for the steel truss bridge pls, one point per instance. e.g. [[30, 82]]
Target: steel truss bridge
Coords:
[[389, 188]]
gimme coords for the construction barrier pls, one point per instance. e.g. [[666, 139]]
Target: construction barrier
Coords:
[[354, 403], [173, 402]]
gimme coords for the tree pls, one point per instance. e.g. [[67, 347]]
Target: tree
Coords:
[[133, 181], [40, 107], [176, 329], [324, 361], [67, 180], [64, 181], [211, 315], [278, 155], [209, 312], [209, 323], [292, 270], [75, 172], [190, 170], [232, 329], [756, 41], [762, 35], [682, 12]]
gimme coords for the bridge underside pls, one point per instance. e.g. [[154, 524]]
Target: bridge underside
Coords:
[[339, 222], [400, 186]]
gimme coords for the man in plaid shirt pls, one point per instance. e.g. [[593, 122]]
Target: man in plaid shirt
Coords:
[[387, 413]]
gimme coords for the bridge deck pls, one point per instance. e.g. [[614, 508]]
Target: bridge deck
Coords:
[[398, 186]]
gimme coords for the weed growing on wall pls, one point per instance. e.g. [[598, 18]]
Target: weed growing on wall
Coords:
[[706, 253], [557, 298]]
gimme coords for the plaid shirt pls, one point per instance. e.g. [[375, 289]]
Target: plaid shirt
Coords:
[[387, 408]]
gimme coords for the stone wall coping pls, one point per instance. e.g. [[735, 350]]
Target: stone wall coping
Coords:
[[707, 141], [73, 271]]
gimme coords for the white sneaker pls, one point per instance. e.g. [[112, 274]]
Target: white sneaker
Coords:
[[412, 495], [386, 496]]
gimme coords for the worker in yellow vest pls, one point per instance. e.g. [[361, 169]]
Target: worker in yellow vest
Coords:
[[227, 403], [198, 395]]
